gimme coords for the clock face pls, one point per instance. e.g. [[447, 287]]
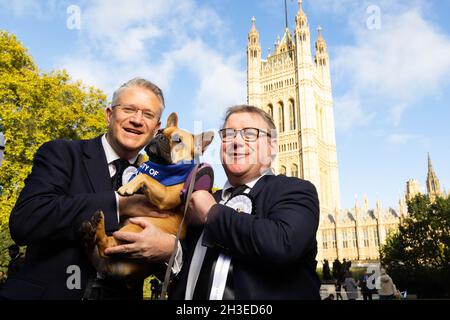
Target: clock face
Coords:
[[241, 203]]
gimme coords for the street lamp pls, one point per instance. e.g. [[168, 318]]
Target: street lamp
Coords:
[[2, 147]]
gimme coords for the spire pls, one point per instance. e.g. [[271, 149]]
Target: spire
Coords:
[[356, 203], [253, 66], [302, 34], [433, 185], [378, 205], [365, 203], [253, 36], [430, 166], [253, 24], [301, 16], [356, 208], [321, 45], [253, 30], [301, 19], [285, 44], [321, 58]]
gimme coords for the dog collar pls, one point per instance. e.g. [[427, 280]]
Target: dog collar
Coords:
[[167, 175]]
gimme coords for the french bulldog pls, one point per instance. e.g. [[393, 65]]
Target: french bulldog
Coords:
[[171, 149]]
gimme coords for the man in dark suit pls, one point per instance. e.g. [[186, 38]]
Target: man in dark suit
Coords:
[[69, 181], [256, 238], [17, 260]]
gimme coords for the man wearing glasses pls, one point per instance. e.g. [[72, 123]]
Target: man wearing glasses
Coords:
[[70, 180], [255, 238]]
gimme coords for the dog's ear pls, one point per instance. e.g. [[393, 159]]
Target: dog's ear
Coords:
[[203, 140], [172, 120]]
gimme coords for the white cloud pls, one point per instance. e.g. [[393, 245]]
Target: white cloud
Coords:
[[157, 39], [35, 8], [336, 7], [405, 61], [221, 82], [349, 112], [408, 58], [20, 7], [397, 113], [355, 9], [404, 138], [120, 29]]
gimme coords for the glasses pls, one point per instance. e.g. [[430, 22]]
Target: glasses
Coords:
[[131, 110], [248, 134]]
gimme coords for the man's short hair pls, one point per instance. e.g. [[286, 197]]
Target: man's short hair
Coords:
[[141, 83], [252, 109], [14, 247]]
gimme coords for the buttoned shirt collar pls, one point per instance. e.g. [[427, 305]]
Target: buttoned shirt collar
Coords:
[[251, 184], [111, 155]]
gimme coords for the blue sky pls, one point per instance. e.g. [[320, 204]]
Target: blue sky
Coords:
[[391, 79]]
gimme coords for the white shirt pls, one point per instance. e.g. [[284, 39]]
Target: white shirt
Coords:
[[111, 156], [200, 250]]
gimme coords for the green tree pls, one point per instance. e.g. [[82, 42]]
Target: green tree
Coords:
[[418, 255], [37, 107]]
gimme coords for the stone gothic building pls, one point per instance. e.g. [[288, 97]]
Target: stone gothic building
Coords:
[[294, 87], [357, 233]]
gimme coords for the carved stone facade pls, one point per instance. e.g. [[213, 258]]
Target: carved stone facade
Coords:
[[356, 234], [296, 90]]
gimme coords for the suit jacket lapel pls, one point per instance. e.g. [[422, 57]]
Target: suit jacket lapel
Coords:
[[96, 166], [253, 192], [217, 195], [259, 185]]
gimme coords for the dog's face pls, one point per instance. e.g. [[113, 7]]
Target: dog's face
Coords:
[[172, 145]]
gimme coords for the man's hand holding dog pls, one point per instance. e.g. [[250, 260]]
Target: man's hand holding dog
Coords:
[[200, 204], [151, 244]]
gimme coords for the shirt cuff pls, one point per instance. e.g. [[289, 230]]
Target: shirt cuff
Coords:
[[178, 263], [117, 206]]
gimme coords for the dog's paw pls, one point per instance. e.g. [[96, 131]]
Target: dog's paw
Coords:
[[88, 229], [97, 218], [88, 234], [126, 190]]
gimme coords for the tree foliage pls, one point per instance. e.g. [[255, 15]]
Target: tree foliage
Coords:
[[37, 107], [418, 255]]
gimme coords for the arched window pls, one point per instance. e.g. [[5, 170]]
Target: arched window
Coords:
[[294, 170], [283, 170], [270, 110], [291, 115], [280, 117]]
